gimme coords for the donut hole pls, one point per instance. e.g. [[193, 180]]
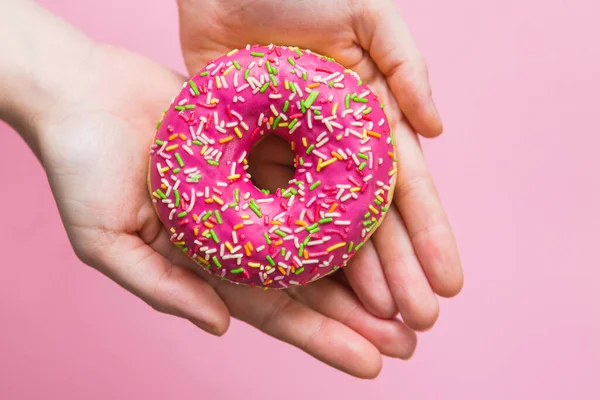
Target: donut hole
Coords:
[[271, 163]]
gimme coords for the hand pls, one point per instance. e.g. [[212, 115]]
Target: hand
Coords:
[[92, 135], [413, 254]]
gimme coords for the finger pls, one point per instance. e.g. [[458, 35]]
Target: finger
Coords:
[[365, 275], [165, 287], [427, 224], [384, 34], [392, 337], [284, 318], [407, 281]]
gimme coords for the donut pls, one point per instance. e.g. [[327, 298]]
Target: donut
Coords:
[[343, 154]]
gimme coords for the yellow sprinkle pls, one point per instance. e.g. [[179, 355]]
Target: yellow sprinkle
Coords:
[[254, 265], [283, 125], [334, 109], [275, 222], [172, 147], [238, 227], [233, 177], [301, 223], [268, 283], [229, 246], [286, 85], [208, 225], [173, 136], [283, 271], [237, 132], [392, 172], [335, 246], [228, 70], [339, 137], [313, 85], [245, 216], [304, 142], [336, 155], [182, 136], [218, 81], [347, 71], [214, 101], [164, 169], [226, 139], [374, 134], [333, 207], [364, 133], [326, 163], [203, 150], [218, 200], [373, 209], [206, 233], [245, 162], [355, 189], [172, 230], [179, 243], [232, 52], [155, 195], [378, 197]]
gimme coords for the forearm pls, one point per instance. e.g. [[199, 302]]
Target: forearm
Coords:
[[39, 55]]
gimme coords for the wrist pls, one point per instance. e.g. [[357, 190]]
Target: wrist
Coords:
[[39, 60]]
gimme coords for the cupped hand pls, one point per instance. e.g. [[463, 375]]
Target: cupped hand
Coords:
[[94, 143], [413, 254]]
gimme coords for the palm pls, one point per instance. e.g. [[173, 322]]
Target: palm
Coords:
[[412, 254]]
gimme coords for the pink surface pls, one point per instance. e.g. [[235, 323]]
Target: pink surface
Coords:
[[517, 168]]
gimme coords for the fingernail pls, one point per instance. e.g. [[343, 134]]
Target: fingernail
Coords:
[[206, 327], [436, 113]]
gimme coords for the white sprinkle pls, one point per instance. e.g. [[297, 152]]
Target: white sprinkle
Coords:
[[321, 136], [171, 214], [364, 94], [322, 142], [341, 222], [320, 155], [310, 202], [381, 122], [346, 112], [275, 96], [346, 197], [273, 110], [217, 69], [260, 119], [267, 200], [295, 127]]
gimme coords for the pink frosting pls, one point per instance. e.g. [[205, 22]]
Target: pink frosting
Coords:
[[345, 165]]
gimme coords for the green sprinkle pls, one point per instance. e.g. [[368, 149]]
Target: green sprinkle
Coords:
[[179, 160], [315, 185], [206, 216], [382, 105], [255, 210], [286, 105], [237, 65], [273, 79], [177, 198], [297, 50], [392, 138], [299, 271], [360, 82], [236, 195], [367, 215], [325, 220], [264, 87], [257, 54], [367, 223], [216, 261], [304, 76], [237, 271], [347, 101], [293, 88], [179, 108], [176, 170], [267, 238], [352, 96], [317, 112], [293, 123], [189, 106], [265, 191], [213, 162], [377, 202], [276, 123], [311, 98], [298, 183], [218, 217], [384, 209], [194, 87], [360, 100], [302, 106], [214, 236], [246, 74], [195, 177], [362, 166], [204, 73], [181, 214], [233, 205], [280, 233], [282, 252], [198, 143], [161, 194], [301, 161], [301, 250], [159, 142], [305, 243], [367, 110], [270, 260], [254, 203], [363, 156], [158, 124], [358, 246], [350, 246], [291, 61], [310, 149], [268, 64]]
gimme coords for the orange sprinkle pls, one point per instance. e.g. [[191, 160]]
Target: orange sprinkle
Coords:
[[271, 121], [275, 222], [245, 162], [209, 201], [226, 139], [336, 155], [163, 186], [293, 146], [333, 207], [182, 136], [313, 85], [374, 134], [391, 154], [196, 218], [233, 177], [305, 254], [173, 136], [238, 227], [218, 200], [248, 251], [208, 225], [237, 132], [172, 147], [301, 223], [268, 283], [249, 244], [279, 243], [283, 271], [196, 231], [202, 260]]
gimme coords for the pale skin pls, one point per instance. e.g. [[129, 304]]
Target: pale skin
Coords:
[[88, 112]]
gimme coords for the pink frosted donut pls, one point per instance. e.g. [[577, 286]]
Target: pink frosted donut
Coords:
[[344, 158]]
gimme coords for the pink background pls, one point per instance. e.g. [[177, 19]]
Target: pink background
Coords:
[[517, 84]]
